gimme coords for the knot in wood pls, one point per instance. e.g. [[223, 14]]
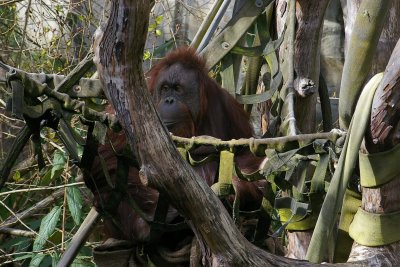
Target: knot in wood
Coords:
[[305, 86], [143, 176]]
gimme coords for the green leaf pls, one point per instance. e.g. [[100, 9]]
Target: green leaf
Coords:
[[82, 261], [45, 177], [17, 176], [158, 32], [23, 257], [74, 201], [58, 8], [47, 227], [36, 260], [159, 19], [59, 161], [152, 27], [17, 243], [146, 55], [55, 258]]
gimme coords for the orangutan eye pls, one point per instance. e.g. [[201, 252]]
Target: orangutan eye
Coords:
[[178, 88], [164, 87]]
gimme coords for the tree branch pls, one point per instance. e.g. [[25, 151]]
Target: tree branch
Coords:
[[118, 58]]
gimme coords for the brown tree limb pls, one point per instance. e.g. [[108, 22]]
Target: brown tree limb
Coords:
[[385, 116], [300, 58], [119, 57], [310, 15], [16, 149], [17, 232]]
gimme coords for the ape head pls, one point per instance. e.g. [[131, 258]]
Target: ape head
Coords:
[[190, 103]]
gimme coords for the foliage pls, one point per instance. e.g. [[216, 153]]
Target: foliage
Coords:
[[63, 40], [51, 37], [55, 224]]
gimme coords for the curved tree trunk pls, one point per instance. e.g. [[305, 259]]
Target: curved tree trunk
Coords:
[[382, 135], [119, 53]]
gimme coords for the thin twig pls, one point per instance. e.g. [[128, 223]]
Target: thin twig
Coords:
[[37, 207], [10, 2], [40, 188], [19, 219], [17, 232]]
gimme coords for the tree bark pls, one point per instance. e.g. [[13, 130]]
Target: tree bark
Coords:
[[309, 15], [382, 135], [119, 53]]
